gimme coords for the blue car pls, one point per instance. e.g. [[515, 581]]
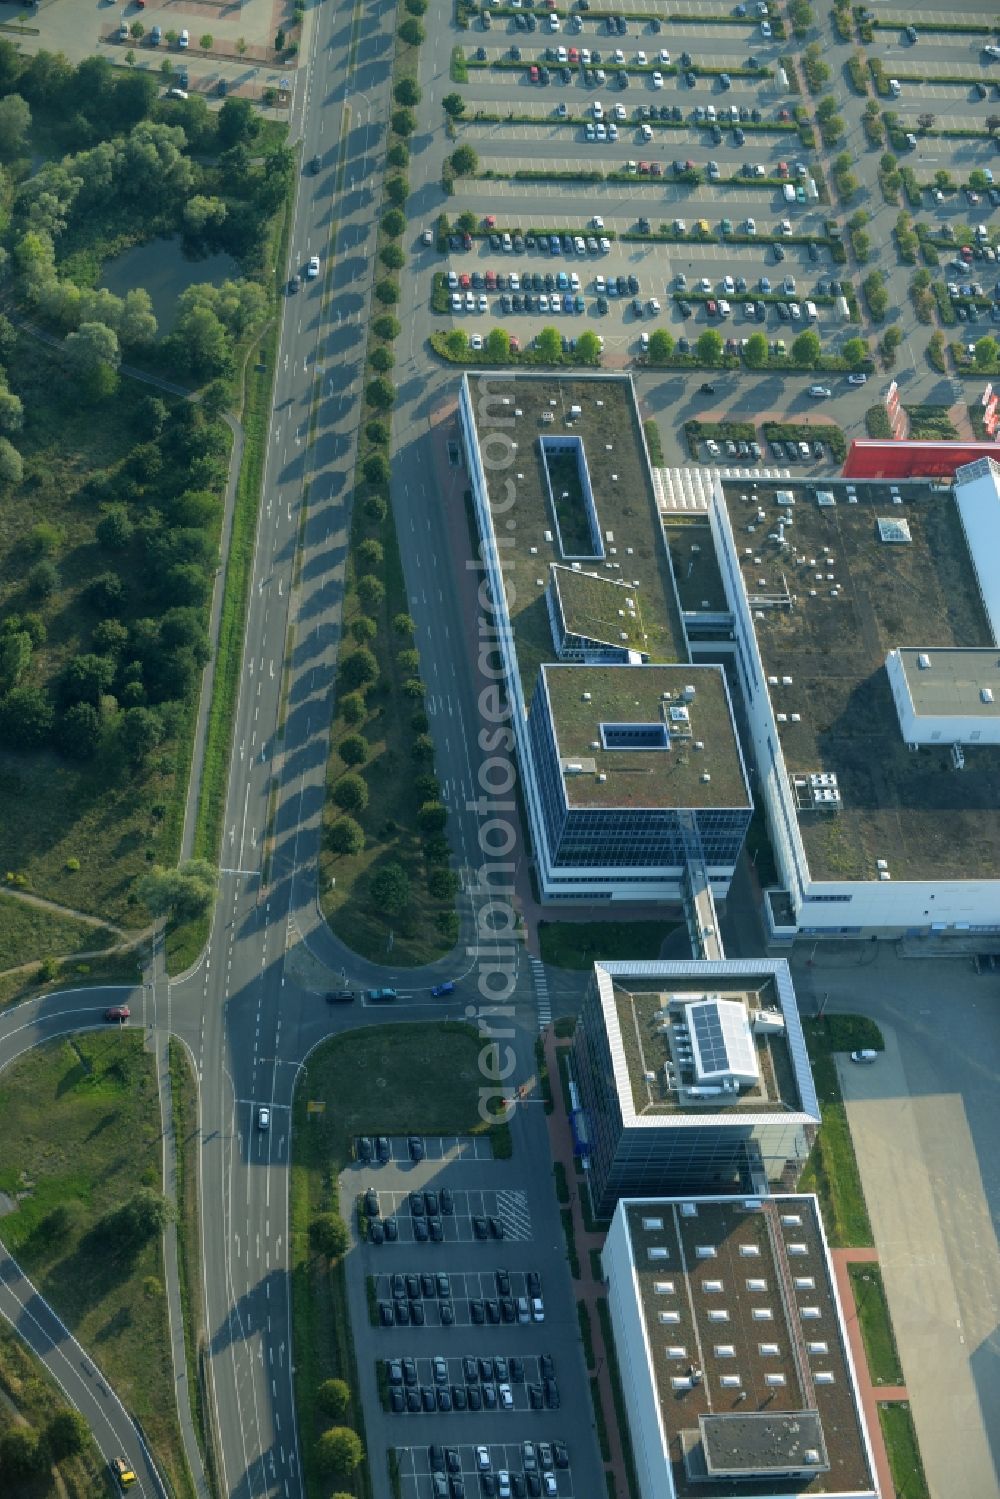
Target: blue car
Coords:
[[440, 990]]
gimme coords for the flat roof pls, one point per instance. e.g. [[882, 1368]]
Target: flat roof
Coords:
[[951, 683], [585, 703], [827, 608], [608, 425], [741, 1290], [696, 568], [641, 1000]]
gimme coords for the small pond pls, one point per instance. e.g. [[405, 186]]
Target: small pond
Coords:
[[165, 271]]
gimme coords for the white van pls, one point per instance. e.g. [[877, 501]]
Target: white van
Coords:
[[865, 1057], [789, 192], [183, 40], [811, 312]]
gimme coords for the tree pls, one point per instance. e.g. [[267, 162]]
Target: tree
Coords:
[[398, 155], [85, 678], [21, 1453], [457, 343], [78, 731], [387, 292], [588, 347], [392, 257], [202, 342], [404, 122], [387, 327], [114, 529], [346, 835], [350, 793], [390, 889], [371, 592], [354, 749], [25, 717], [339, 1450], [807, 348], [407, 91], [376, 469], [93, 353], [205, 41], [801, 16], [755, 352], [432, 817], [403, 626], [394, 222], [854, 352], [986, 352], [464, 162], [334, 1398], [380, 393], [67, 1433], [454, 105], [397, 189], [548, 342], [376, 509], [106, 594], [412, 32], [926, 121], [661, 346], [15, 122], [328, 1236], [141, 730], [181, 894], [11, 464], [144, 1216], [15, 657], [709, 346]]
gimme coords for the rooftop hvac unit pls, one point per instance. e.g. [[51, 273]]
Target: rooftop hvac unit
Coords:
[[576, 411], [825, 499]]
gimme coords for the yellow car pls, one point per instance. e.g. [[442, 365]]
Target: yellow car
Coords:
[[702, 226], [122, 1472]]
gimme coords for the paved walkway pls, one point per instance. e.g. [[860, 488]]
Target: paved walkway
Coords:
[[587, 1289], [870, 1394]]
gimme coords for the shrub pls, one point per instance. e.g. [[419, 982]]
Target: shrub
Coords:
[[354, 749], [371, 592], [403, 625], [383, 358], [394, 222], [387, 327], [404, 121], [339, 1450], [376, 470], [334, 1398], [352, 706], [387, 293], [407, 91], [375, 506], [376, 431], [412, 32], [358, 668], [363, 630], [380, 392], [390, 889], [432, 817]]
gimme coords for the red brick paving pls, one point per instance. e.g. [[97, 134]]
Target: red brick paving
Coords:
[[871, 1394]]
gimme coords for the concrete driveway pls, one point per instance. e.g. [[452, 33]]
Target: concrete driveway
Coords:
[[925, 1122]]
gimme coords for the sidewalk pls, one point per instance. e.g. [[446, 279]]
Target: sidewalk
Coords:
[[587, 1289], [870, 1395]]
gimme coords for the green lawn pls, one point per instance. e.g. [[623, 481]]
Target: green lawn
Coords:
[[115, 968], [29, 933], [389, 1079], [876, 1324], [34, 1401], [832, 1168], [80, 1125], [579, 944], [903, 1451]]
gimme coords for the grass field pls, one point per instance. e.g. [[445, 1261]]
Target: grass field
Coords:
[[426, 928], [81, 1130], [876, 1325], [115, 968], [578, 944], [29, 933], [386, 1080], [29, 1399], [903, 1451], [832, 1168]]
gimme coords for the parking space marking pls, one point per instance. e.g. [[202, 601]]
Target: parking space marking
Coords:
[[413, 1466], [509, 1209], [542, 1000]]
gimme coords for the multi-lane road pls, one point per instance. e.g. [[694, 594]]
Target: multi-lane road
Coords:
[[246, 1021]]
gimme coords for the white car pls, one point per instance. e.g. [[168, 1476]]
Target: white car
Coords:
[[728, 285], [585, 56], [483, 1459], [618, 56], [654, 306], [506, 1397], [657, 80], [612, 131], [537, 1307], [263, 1118], [549, 1485], [640, 58], [786, 226], [597, 222], [620, 114], [452, 280], [750, 227], [605, 246], [574, 281], [597, 110], [553, 23], [794, 311], [819, 392], [646, 132], [183, 41], [858, 379], [724, 308], [704, 284], [765, 29], [665, 58], [713, 447], [562, 55], [470, 301], [543, 302], [476, 342], [312, 269], [503, 1484], [515, 281], [456, 301], [484, 306]]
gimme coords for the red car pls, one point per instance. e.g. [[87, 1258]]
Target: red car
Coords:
[[490, 221], [515, 342], [782, 168], [117, 1012], [966, 252], [711, 308], [533, 74]]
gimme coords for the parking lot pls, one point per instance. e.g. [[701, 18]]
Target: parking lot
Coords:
[[397, 1148], [470, 1303], [470, 1470]]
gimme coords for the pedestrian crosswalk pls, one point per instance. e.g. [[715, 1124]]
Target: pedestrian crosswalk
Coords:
[[542, 1001]]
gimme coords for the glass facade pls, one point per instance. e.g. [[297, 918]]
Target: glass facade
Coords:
[[669, 1157]]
